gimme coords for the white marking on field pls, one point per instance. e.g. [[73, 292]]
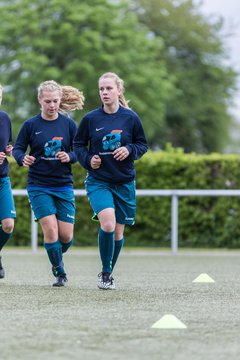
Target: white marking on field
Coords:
[[169, 322], [205, 278]]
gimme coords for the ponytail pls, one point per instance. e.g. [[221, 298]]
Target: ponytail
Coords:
[[72, 99]]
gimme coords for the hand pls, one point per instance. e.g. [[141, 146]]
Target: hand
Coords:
[[2, 157], [95, 162], [63, 157], [121, 153], [28, 160], [8, 150]]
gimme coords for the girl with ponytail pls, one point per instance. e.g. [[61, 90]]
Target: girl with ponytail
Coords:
[[108, 141], [49, 136]]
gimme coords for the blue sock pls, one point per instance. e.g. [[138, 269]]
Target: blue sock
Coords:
[[66, 246], [3, 237], [106, 246], [54, 251], [118, 244]]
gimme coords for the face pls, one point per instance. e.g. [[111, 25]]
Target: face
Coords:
[[50, 101], [109, 92]]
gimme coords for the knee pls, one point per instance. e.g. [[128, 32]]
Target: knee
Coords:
[[66, 238], [8, 225], [119, 230], [50, 234], [118, 235], [108, 225]]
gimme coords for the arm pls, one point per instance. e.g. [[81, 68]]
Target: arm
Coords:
[[9, 147], [80, 144], [139, 145], [21, 145]]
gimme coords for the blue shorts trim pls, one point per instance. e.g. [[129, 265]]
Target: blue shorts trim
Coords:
[[121, 197], [47, 202], [7, 208]]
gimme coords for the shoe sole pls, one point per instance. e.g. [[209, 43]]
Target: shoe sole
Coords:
[[106, 287], [60, 284]]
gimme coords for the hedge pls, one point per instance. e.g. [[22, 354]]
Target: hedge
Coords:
[[203, 221]]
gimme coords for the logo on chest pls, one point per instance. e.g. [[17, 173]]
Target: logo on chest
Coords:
[[52, 147], [112, 141]]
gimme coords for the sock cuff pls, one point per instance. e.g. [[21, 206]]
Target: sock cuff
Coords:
[[4, 234], [119, 242], [69, 243], [55, 245], [105, 234]]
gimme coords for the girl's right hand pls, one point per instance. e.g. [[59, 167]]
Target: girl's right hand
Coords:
[[28, 160], [95, 162]]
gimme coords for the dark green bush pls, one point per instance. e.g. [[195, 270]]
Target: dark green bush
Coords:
[[203, 221]]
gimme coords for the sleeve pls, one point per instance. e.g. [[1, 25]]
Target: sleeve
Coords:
[[139, 145], [21, 144], [72, 154], [10, 130], [81, 142]]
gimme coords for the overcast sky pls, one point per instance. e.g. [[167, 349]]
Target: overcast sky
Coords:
[[230, 11]]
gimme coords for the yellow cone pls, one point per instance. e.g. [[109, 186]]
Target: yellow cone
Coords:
[[169, 322], [204, 278]]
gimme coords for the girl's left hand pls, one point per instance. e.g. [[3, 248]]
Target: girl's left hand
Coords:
[[63, 157], [2, 157], [121, 153], [8, 150]]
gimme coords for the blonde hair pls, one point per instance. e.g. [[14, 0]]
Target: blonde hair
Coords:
[[49, 85], [120, 85], [71, 98]]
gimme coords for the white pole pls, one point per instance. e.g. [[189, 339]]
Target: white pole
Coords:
[[34, 233], [174, 224]]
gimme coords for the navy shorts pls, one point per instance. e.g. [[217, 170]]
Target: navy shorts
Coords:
[[121, 197], [7, 208], [48, 202]]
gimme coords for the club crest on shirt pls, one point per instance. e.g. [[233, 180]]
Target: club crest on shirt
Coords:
[[112, 140], [52, 147]]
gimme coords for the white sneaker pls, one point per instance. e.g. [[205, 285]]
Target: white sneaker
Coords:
[[106, 281]]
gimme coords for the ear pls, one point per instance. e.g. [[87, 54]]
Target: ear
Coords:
[[119, 91]]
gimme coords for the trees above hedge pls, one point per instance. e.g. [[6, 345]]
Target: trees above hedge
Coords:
[[170, 56]]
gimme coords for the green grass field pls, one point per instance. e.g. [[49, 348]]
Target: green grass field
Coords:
[[81, 322]]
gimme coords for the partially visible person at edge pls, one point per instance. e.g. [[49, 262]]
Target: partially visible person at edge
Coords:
[[107, 142], [7, 208], [50, 136]]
